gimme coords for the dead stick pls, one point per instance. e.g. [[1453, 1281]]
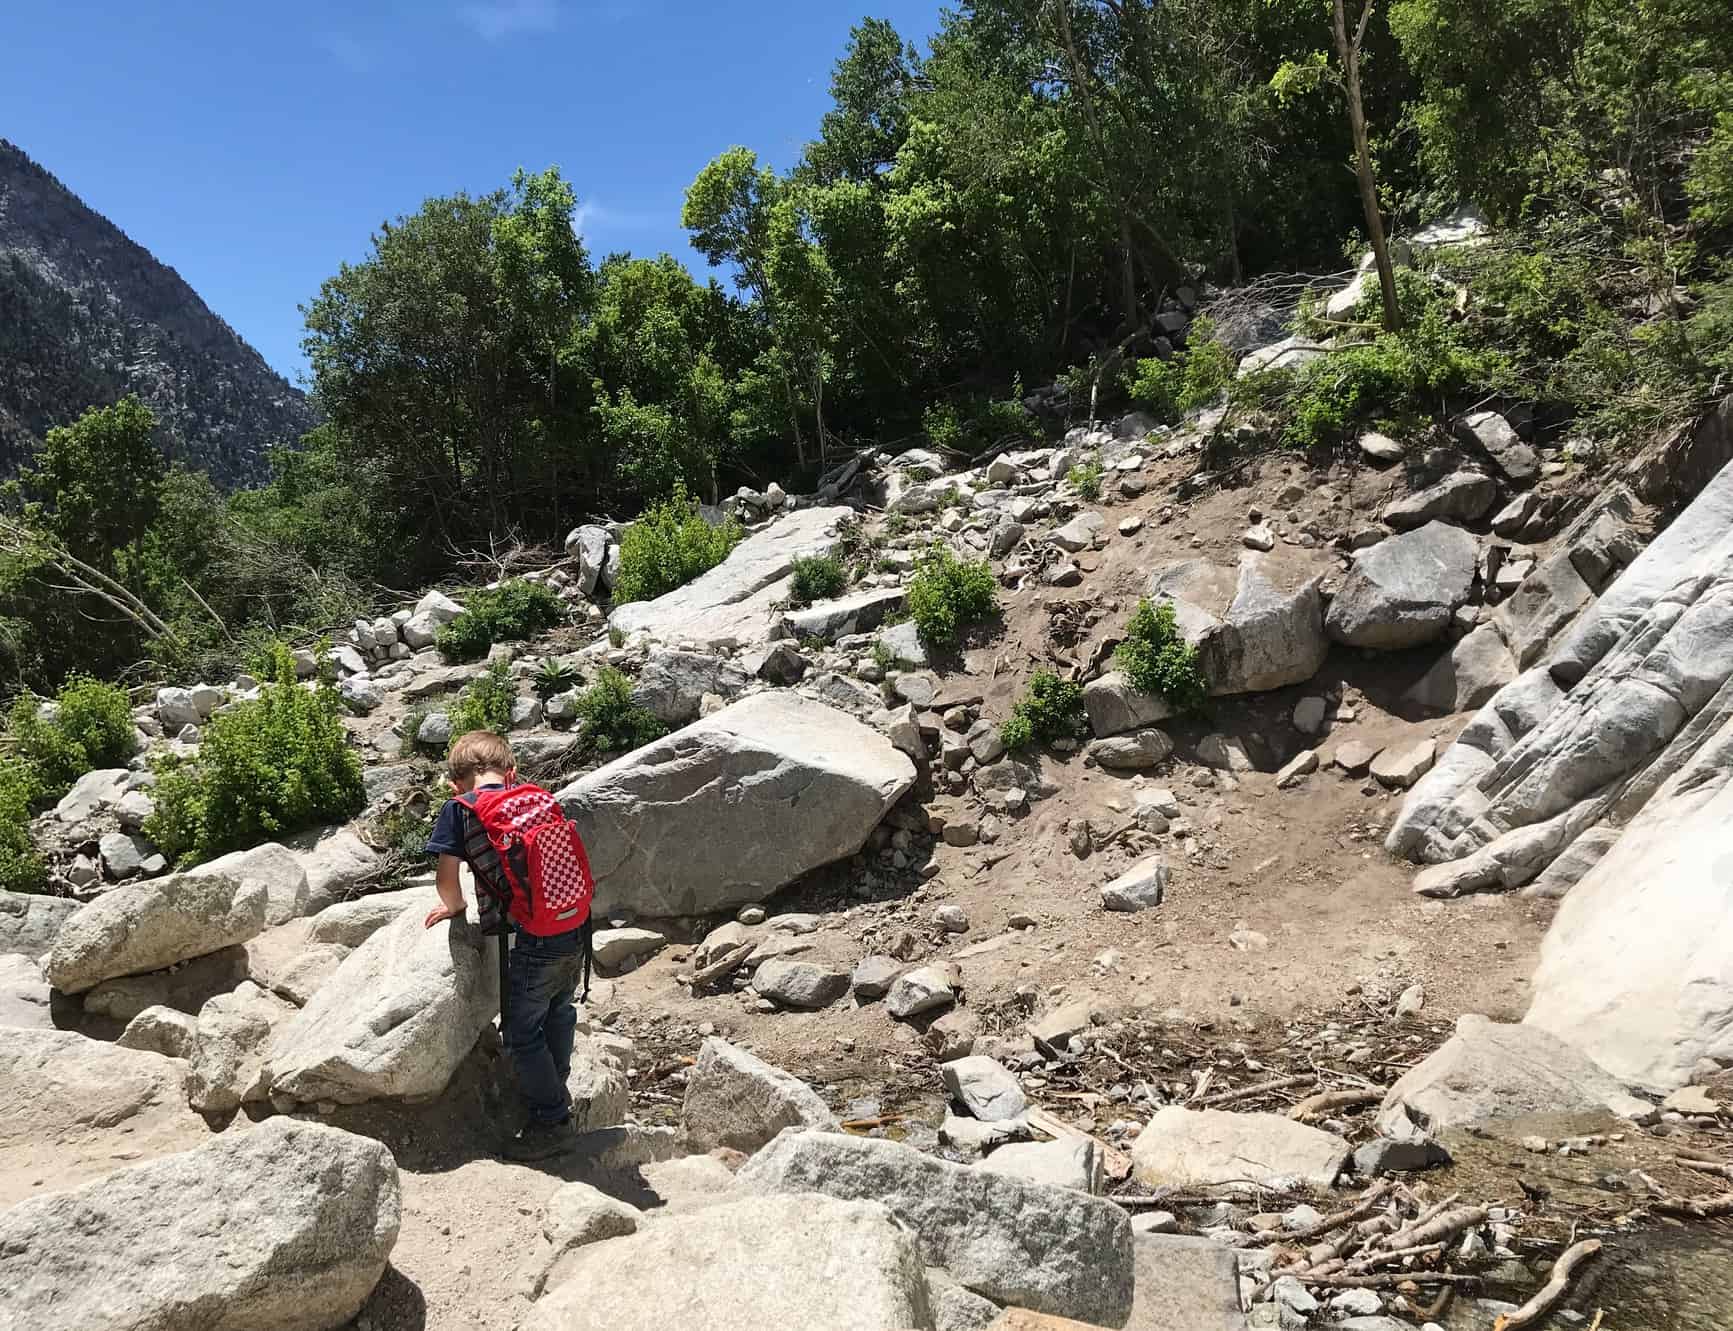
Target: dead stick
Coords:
[[1702, 1208], [1328, 1102], [1551, 1292], [1364, 1207], [1707, 1166], [1262, 1088], [1360, 1264], [1390, 1278], [730, 963]]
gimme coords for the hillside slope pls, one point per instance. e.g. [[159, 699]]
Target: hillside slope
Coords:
[[87, 316]]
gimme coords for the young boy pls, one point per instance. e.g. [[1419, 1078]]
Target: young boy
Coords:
[[544, 974]]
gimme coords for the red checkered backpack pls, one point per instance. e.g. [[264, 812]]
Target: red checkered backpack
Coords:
[[538, 871]]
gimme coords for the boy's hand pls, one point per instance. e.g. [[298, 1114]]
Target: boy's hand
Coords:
[[441, 913]]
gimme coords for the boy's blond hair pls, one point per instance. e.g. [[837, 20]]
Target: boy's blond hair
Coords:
[[479, 751]]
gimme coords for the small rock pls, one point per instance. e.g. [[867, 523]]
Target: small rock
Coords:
[[873, 977], [1139, 887], [951, 919], [1309, 714], [953, 1035], [1354, 756], [1401, 765], [986, 1089], [1259, 538], [1301, 765], [926, 989]]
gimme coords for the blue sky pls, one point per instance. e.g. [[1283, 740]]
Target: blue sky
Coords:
[[253, 145]]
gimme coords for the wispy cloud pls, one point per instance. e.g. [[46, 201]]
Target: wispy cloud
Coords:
[[496, 20], [347, 52]]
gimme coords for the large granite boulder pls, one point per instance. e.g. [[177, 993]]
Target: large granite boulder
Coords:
[[352, 923], [1467, 675], [29, 923], [736, 1099], [146, 926], [734, 603], [396, 1019], [1257, 627], [734, 807], [766, 1263], [1462, 496], [1403, 591], [280, 871], [287, 1225], [337, 862], [1193, 1148], [57, 1082], [855, 612], [231, 1041], [1049, 1249], [1114, 706]]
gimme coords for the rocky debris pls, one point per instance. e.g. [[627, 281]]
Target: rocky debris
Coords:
[[1133, 752], [1354, 756], [161, 1030], [953, 1035], [1474, 669], [737, 1100], [1190, 1148], [780, 663], [1079, 534], [1634, 970], [925, 989], [1401, 765], [1071, 1162], [1043, 1248], [735, 806], [352, 923], [1492, 435], [29, 923], [94, 793], [1225, 753], [1463, 496], [1054, 1033], [432, 613], [617, 949], [1291, 353], [984, 1087], [125, 857], [1542, 608], [231, 1040], [71, 1082], [1402, 592], [1257, 627], [733, 602], [289, 1224], [903, 642], [1139, 887], [146, 926], [1490, 1070], [596, 1085], [1114, 706], [803, 985], [275, 867], [590, 545], [396, 1019], [24, 994], [766, 1262], [1259, 537], [1381, 448]]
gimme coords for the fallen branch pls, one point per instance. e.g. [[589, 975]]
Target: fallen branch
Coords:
[[1706, 1166], [868, 1124], [1116, 1164], [730, 963], [1551, 1292], [1326, 1103], [1701, 1208], [1388, 1279], [1369, 1201], [1262, 1088]]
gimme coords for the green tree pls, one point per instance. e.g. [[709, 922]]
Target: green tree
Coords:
[[94, 485]]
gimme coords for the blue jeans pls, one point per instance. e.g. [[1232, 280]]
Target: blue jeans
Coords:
[[542, 1021]]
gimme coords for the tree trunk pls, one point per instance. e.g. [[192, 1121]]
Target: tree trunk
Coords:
[[1348, 52]]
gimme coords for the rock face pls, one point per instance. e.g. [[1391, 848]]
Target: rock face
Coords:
[[1402, 592], [768, 1263], [29, 923], [1637, 969], [1490, 1070], [24, 996], [732, 808], [1637, 691], [289, 1224], [1185, 1148], [737, 1100], [733, 603], [147, 926], [1258, 627], [1048, 1249], [396, 1019]]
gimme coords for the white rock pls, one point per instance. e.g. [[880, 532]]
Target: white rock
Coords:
[[1189, 1148], [1139, 887], [737, 1100], [985, 1089], [271, 866], [146, 926], [925, 989], [231, 1041], [1067, 1163]]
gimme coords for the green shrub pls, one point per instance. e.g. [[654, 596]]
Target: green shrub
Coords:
[[610, 721], [21, 868], [512, 611], [668, 546], [816, 578], [1156, 659], [554, 676], [948, 595], [1053, 710], [91, 727], [1195, 377], [265, 769], [486, 704], [975, 424], [1085, 478]]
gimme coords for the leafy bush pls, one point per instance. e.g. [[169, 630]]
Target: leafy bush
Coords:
[[1156, 659], [1085, 478], [975, 424], [1052, 710], [21, 868], [486, 704], [668, 546], [610, 721], [1195, 377], [89, 727], [553, 676], [512, 611], [948, 595], [266, 769], [816, 578]]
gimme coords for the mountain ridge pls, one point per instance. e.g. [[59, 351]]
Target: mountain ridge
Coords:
[[88, 315]]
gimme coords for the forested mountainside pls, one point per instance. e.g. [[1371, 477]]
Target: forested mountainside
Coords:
[[87, 316]]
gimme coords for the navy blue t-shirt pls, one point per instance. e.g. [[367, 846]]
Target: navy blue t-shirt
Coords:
[[448, 831]]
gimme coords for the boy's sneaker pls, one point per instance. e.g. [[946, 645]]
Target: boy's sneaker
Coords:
[[537, 1140]]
